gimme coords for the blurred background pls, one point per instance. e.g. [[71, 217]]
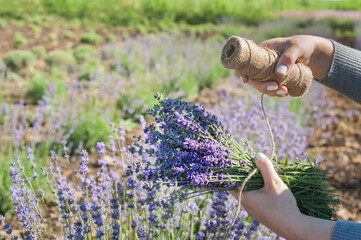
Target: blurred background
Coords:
[[71, 67]]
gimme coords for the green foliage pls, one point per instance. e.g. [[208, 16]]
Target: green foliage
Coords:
[[84, 53], [120, 12], [275, 28], [133, 104], [5, 198], [3, 22], [110, 37], [69, 34], [39, 51], [17, 22], [140, 28], [75, 23], [91, 38], [189, 85], [88, 74], [19, 40], [5, 160], [37, 19], [320, 28], [89, 130], [53, 37], [35, 28], [213, 77], [60, 59], [343, 27], [36, 88], [128, 65], [18, 59]]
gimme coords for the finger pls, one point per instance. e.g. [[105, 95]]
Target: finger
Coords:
[[267, 170], [287, 60], [281, 92], [277, 44], [269, 87], [241, 76]]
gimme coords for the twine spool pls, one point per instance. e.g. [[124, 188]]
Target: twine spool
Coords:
[[259, 64]]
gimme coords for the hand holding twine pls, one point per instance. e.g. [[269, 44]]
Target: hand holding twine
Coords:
[[259, 64]]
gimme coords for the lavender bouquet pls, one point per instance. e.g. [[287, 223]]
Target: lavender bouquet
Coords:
[[194, 152]]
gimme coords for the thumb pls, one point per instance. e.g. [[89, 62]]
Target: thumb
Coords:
[[266, 169], [287, 60]]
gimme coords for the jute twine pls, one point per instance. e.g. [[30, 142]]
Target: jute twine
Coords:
[[259, 64]]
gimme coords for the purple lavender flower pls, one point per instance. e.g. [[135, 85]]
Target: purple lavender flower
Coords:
[[133, 224], [141, 233], [115, 232], [79, 230], [83, 163], [30, 154], [41, 192], [112, 144], [211, 225], [100, 234], [190, 144], [100, 148]]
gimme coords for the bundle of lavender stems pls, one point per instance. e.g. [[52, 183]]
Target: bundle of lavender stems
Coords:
[[194, 153]]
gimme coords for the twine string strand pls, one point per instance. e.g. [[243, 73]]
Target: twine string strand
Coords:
[[253, 172]]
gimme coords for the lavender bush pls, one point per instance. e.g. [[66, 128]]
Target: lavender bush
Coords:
[[125, 70], [102, 87], [108, 205], [85, 205], [112, 205]]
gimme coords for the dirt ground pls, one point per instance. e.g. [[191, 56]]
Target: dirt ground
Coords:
[[342, 152], [8, 32]]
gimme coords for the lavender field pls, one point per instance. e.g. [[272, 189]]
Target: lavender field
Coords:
[[73, 109]]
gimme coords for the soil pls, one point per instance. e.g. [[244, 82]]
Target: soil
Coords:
[[8, 32], [342, 153]]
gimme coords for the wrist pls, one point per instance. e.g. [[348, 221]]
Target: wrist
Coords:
[[312, 228]]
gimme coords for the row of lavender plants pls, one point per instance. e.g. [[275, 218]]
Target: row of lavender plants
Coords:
[[109, 203], [116, 83]]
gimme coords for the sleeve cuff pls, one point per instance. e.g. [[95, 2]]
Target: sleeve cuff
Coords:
[[346, 231], [345, 72]]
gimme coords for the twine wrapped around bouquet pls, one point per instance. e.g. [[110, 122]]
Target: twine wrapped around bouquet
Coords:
[[259, 64]]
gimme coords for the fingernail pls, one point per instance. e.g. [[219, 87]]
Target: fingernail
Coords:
[[241, 78], [271, 88], [282, 69], [281, 92], [259, 156]]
